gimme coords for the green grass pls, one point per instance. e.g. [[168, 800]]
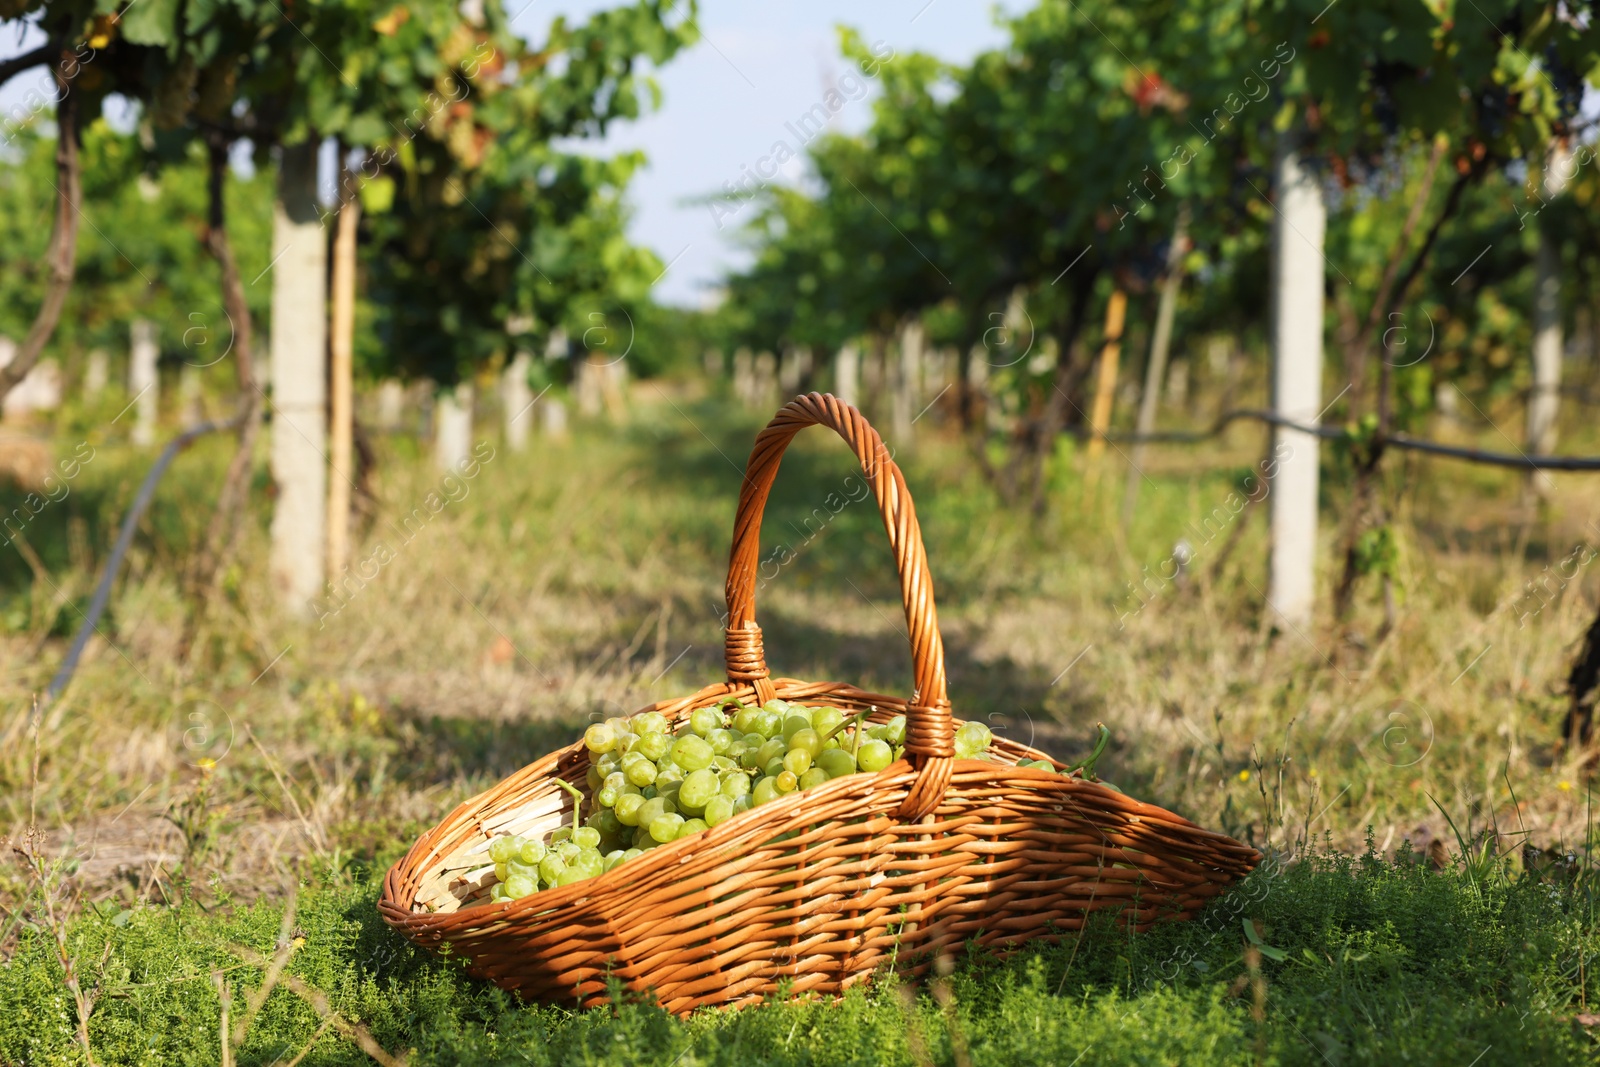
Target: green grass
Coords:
[[1367, 961]]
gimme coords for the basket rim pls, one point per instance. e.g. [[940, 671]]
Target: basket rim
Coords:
[[397, 900]]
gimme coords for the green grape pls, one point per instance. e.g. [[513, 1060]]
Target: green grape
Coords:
[[502, 871], [627, 809], [531, 851], [592, 777], [744, 719], [519, 886], [774, 767], [642, 839], [724, 765], [692, 753], [765, 790], [551, 868], [501, 848], [770, 750], [649, 722], [786, 782], [736, 785], [721, 740], [610, 763], [588, 864], [607, 796], [654, 809], [641, 772], [697, 788], [515, 867], [625, 744], [561, 833], [719, 809], [631, 854], [895, 730], [735, 750], [807, 739], [600, 738], [586, 837], [971, 739], [691, 827], [826, 720], [815, 776], [792, 725], [836, 762], [768, 723], [875, 755], [704, 720], [653, 747], [899, 750], [614, 857], [797, 761], [754, 740], [750, 759], [497, 894], [567, 850], [607, 823], [665, 828]]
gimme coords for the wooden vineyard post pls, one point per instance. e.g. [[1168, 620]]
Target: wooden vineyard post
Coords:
[[1105, 385], [341, 413]]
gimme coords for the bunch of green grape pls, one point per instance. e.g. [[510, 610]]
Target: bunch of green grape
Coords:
[[648, 785], [653, 786]]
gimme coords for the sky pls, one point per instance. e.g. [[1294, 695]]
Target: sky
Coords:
[[760, 64]]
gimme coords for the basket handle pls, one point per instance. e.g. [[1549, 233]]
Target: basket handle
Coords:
[[930, 732]]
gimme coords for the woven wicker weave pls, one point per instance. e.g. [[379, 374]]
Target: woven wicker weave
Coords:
[[818, 888]]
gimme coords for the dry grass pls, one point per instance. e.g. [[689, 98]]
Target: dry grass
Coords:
[[586, 578]]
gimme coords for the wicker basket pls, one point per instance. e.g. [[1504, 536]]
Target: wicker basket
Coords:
[[817, 889]]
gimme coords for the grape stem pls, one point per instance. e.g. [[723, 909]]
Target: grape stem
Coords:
[[1086, 765], [577, 799], [855, 720]]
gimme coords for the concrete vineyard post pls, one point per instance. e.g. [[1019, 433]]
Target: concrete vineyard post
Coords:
[[907, 377], [743, 376], [191, 398], [299, 357], [391, 405], [96, 373], [516, 401], [1544, 398], [1299, 225], [452, 428], [143, 382], [847, 374]]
